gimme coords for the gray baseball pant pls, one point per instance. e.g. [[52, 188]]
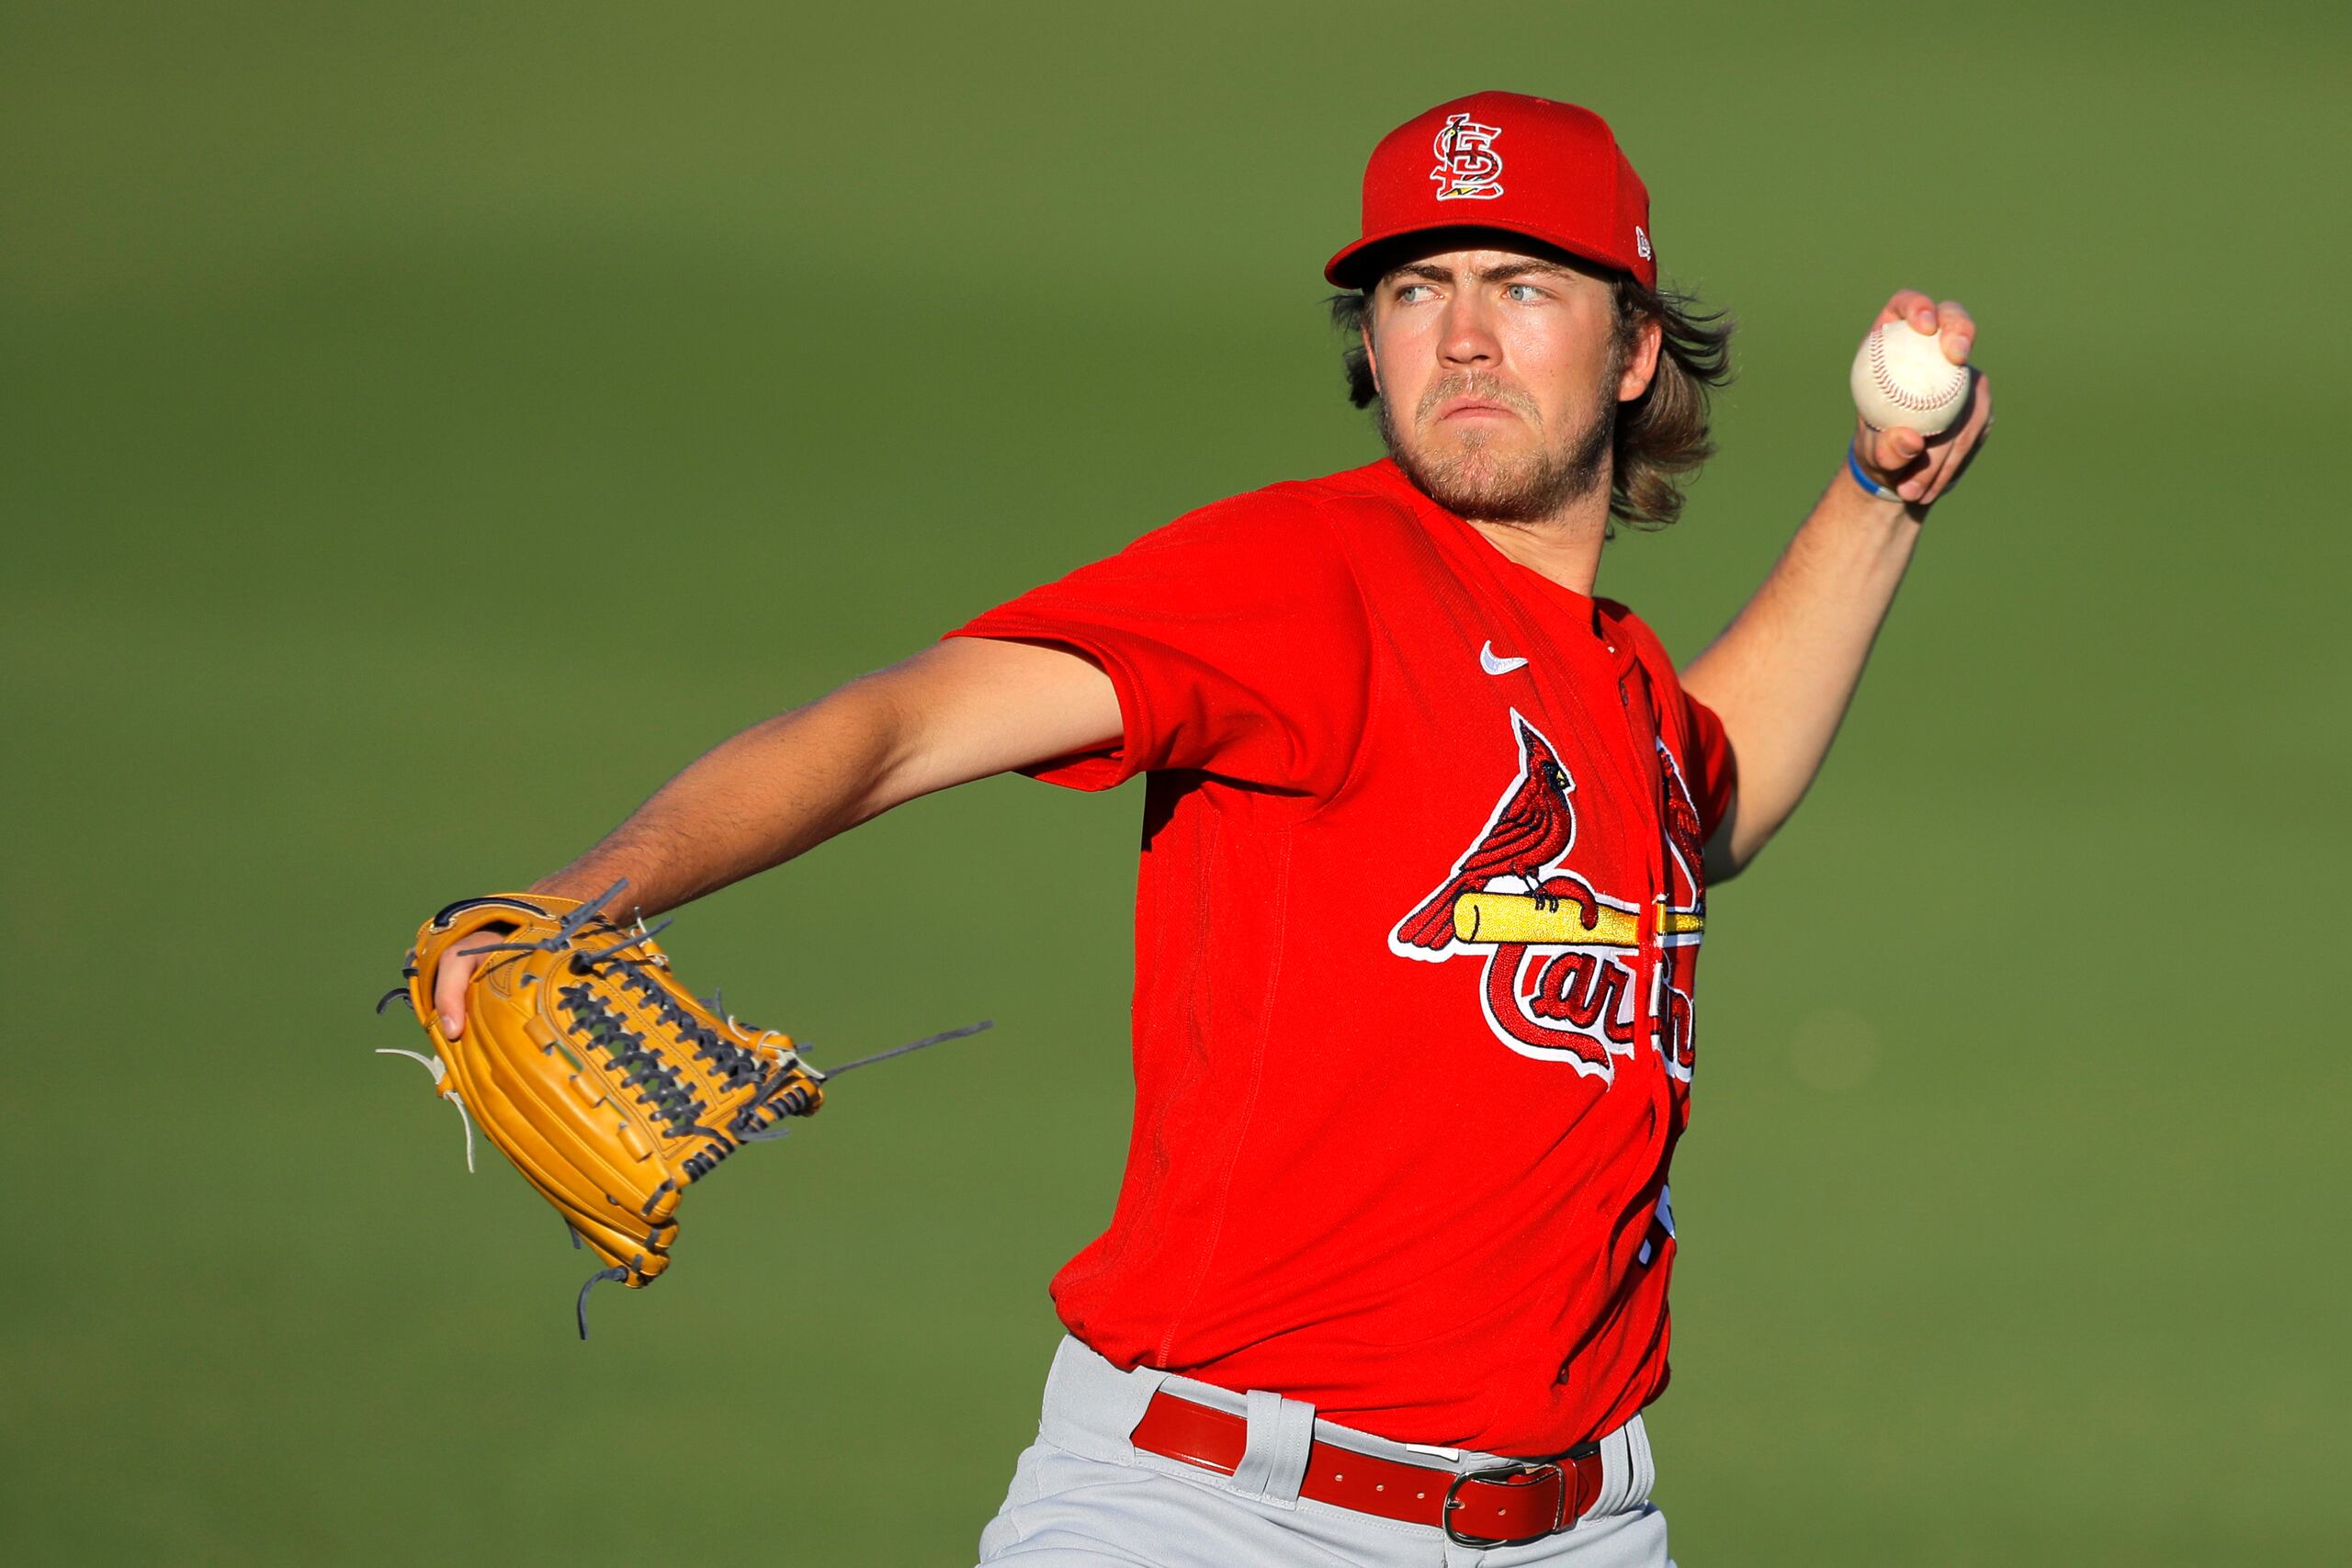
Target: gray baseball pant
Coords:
[[1083, 1497]]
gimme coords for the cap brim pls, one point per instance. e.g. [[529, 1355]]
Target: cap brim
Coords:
[[1363, 263]]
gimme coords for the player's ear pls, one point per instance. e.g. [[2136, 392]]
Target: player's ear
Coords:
[[1371, 360], [1641, 364]]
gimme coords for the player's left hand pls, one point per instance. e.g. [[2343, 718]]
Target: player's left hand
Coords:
[[1918, 468]]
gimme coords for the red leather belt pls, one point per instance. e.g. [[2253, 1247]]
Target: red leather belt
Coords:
[[1510, 1504]]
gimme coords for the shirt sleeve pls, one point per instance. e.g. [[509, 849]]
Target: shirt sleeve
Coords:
[[1236, 638], [1714, 779]]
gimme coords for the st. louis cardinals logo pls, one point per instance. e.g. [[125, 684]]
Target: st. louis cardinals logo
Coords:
[[1468, 167], [1560, 959]]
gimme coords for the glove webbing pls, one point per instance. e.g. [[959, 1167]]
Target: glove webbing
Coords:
[[656, 1079]]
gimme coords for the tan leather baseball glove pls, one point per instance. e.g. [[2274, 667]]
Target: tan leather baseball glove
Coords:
[[610, 1087]]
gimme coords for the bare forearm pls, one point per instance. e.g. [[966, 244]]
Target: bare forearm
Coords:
[[1782, 674], [767, 795], [962, 710]]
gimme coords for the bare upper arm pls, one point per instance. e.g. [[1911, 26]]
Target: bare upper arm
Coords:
[[968, 707]]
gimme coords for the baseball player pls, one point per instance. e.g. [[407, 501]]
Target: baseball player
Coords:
[[1429, 831]]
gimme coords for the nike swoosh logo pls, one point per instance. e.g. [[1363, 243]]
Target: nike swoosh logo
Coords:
[[1494, 666]]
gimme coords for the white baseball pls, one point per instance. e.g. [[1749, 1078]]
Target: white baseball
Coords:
[[1901, 378]]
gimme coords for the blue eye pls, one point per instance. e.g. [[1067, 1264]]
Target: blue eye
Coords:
[[1528, 291]]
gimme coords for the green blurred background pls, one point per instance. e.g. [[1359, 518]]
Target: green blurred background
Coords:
[[424, 426]]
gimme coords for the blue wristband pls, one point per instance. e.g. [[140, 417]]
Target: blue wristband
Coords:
[[1861, 477]]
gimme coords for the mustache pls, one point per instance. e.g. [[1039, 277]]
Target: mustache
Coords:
[[1476, 384]]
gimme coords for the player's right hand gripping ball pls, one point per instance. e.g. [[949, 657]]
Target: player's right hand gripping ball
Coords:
[[610, 1088], [1901, 378]]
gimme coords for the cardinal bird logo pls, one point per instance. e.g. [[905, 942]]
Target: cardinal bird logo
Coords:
[[1532, 827], [1559, 981]]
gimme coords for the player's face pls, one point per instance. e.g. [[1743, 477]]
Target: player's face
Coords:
[[1499, 374]]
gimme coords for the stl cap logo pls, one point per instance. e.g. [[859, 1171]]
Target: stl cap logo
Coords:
[[1640, 242], [1468, 167]]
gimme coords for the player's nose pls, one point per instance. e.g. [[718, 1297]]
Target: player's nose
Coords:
[[1468, 337]]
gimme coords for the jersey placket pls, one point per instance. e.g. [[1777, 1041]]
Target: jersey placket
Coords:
[[1590, 658], [1638, 705]]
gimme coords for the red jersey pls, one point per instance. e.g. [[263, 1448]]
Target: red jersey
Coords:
[[1416, 925]]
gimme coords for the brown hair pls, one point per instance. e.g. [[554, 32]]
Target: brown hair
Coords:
[[1660, 437]]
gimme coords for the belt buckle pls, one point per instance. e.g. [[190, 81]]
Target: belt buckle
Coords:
[[1505, 1475]]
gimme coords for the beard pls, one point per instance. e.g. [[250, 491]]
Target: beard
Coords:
[[1471, 479]]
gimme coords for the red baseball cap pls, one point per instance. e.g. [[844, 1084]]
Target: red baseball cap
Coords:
[[1548, 171]]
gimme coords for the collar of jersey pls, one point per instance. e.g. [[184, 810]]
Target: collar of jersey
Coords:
[[1588, 609]]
